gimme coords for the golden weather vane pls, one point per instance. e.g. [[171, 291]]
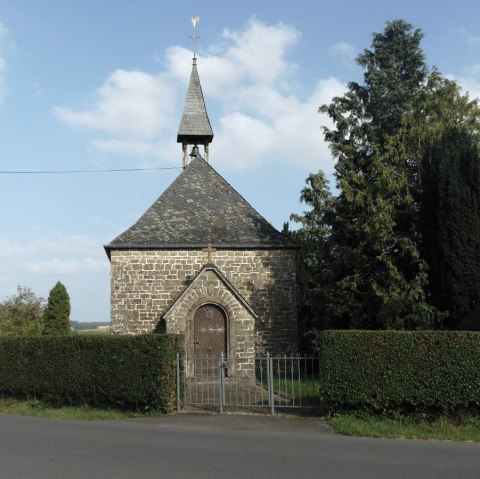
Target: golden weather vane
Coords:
[[194, 36]]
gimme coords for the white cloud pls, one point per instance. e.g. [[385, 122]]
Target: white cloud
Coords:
[[243, 140], [343, 51], [472, 39], [129, 103], [247, 82], [65, 267], [66, 254], [77, 260], [259, 50], [10, 249], [129, 147], [3, 32], [282, 128], [473, 70], [55, 243], [469, 85]]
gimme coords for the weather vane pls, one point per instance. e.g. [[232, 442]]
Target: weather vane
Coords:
[[194, 36]]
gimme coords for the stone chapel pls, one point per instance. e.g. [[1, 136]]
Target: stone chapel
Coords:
[[204, 263]]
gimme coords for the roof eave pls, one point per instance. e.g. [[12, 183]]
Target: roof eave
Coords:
[[192, 139], [193, 246]]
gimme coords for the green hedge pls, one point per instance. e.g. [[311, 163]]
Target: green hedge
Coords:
[[112, 371], [387, 371]]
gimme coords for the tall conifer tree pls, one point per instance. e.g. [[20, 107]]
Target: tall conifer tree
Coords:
[[56, 315], [378, 274], [312, 256]]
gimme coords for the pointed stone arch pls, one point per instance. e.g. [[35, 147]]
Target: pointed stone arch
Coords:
[[211, 287]]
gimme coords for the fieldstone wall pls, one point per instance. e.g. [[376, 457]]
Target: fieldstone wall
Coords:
[[145, 284]]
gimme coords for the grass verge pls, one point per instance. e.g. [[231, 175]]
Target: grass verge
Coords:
[[82, 413], [304, 391], [466, 428]]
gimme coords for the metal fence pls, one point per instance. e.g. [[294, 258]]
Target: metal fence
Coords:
[[272, 383]]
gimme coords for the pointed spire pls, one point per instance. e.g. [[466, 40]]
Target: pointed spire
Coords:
[[195, 128]]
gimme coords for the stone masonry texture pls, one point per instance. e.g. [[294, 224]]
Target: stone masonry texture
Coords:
[[146, 283]]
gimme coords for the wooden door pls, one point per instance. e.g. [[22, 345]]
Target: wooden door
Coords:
[[210, 339]]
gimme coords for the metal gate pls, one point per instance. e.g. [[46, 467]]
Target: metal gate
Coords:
[[279, 383]]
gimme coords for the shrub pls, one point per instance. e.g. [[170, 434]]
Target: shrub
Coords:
[[21, 314], [112, 371], [386, 371]]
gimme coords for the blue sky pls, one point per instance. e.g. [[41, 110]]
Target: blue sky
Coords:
[[96, 85]]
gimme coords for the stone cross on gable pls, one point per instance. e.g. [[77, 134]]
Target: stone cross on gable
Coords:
[[209, 250]]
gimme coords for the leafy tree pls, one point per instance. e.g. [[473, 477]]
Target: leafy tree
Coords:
[[377, 276], [21, 314], [56, 316]]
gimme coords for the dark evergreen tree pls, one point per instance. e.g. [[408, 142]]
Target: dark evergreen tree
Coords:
[[377, 275], [312, 255], [451, 205], [56, 315], [441, 135]]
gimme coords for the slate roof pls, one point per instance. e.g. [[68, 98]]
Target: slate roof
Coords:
[[195, 126], [197, 208]]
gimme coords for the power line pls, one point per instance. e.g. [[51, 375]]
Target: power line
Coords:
[[66, 172]]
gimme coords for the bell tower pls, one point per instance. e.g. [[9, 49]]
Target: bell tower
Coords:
[[195, 128]]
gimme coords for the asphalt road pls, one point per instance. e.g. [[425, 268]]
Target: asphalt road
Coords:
[[215, 446]]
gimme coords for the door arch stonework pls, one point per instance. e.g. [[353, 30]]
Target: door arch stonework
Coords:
[[211, 287]]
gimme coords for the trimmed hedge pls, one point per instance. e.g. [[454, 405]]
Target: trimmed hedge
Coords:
[[113, 371], [398, 371]]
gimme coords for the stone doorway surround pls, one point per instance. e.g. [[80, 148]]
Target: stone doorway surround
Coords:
[[210, 286]]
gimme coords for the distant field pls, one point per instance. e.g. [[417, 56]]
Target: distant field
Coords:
[[104, 330], [90, 327]]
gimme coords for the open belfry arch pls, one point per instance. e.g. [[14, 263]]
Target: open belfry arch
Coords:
[[203, 263]]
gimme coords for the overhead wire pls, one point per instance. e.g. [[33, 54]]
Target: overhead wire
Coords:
[[61, 172]]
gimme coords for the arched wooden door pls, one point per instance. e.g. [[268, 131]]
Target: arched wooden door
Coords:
[[210, 331]]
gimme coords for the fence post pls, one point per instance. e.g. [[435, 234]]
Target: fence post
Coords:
[[270, 384], [222, 384], [178, 383], [320, 377], [267, 360]]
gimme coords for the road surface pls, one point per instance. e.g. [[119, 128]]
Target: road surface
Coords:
[[218, 446]]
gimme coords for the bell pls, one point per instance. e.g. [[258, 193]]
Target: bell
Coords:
[[195, 152]]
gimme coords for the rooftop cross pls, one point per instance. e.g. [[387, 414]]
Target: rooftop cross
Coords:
[[194, 36]]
